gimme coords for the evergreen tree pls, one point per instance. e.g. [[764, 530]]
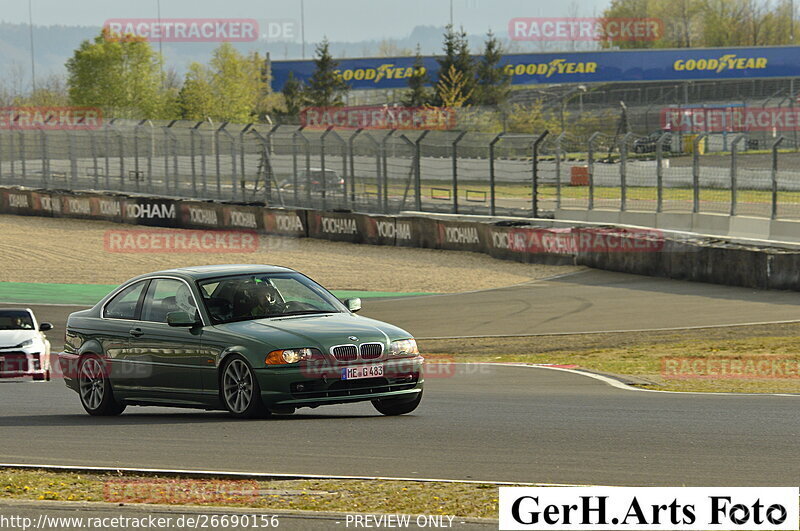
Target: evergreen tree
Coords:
[[293, 95], [456, 55], [493, 83], [419, 94], [326, 87]]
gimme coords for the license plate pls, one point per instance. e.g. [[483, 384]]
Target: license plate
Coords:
[[362, 371]]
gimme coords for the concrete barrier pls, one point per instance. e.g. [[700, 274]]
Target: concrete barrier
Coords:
[[625, 249]]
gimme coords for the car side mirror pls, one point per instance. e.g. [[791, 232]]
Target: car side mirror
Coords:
[[353, 304], [44, 327], [180, 319]]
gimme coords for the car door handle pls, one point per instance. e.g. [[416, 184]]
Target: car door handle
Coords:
[[136, 332]]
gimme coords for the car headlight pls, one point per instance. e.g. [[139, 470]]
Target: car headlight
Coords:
[[26, 343], [404, 347], [293, 355]]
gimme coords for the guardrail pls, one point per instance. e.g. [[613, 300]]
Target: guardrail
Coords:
[[640, 251]]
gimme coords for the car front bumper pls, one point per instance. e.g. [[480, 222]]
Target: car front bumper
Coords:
[[304, 387], [19, 363]]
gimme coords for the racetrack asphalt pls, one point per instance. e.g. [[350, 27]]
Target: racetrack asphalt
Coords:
[[485, 423]]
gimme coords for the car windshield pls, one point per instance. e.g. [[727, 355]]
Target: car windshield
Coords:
[[15, 320], [261, 296]]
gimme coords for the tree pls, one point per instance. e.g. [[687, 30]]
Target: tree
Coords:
[[293, 95], [120, 73], [453, 88], [419, 94], [326, 87], [228, 89], [456, 56], [196, 97], [236, 84], [493, 82]]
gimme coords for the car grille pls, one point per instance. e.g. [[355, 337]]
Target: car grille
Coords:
[[342, 388], [14, 362], [345, 353], [371, 351]]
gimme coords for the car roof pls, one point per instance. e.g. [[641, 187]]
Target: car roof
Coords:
[[17, 310], [212, 271]]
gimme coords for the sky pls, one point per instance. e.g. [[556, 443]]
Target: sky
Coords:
[[339, 20]]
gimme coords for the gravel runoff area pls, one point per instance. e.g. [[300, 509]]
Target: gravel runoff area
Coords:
[[59, 250]]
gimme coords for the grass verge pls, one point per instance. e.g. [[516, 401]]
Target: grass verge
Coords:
[[346, 496], [642, 355]]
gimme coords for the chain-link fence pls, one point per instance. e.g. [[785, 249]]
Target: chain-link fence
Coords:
[[389, 171]]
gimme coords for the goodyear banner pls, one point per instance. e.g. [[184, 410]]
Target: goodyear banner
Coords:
[[576, 67]]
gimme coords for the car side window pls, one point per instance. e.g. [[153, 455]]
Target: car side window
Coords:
[[164, 296], [123, 305]]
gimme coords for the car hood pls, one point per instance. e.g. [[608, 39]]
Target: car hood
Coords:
[[322, 331], [12, 338]]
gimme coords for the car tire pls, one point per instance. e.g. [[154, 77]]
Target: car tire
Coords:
[[42, 377], [94, 388], [239, 389], [397, 406]]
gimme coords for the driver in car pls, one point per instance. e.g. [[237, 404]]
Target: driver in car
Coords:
[[265, 299]]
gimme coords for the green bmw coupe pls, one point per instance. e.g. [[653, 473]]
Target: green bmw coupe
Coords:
[[251, 339]]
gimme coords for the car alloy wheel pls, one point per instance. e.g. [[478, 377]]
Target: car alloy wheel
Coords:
[[240, 391], [92, 385], [95, 390]]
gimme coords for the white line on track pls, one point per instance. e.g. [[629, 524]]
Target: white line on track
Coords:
[[673, 329], [621, 385]]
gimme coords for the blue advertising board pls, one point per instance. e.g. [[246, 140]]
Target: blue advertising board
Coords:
[[576, 67]]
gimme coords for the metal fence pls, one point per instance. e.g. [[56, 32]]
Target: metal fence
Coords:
[[388, 171]]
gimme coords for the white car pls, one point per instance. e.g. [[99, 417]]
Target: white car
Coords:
[[24, 349]]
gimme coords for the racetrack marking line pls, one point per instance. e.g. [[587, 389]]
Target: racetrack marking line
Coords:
[[620, 385], [528, 283], [267, 476], [673, 329]]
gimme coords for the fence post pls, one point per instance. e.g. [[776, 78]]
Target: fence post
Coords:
[[243, 132], [121, 146], [107, 142], [45, 158], [170, 139], [322, 166], [352, 183], [343, 148], [418, 169], [492, 197], [384, 197], [234, 172], [590, 156], [193, 131], [535, 174], [734, 169], [623, 171], [218, 170], [660, 170], [774, 177], [455, 170], [299, 134], [22, 156], [136, 154], [559, 154], [410, 145], [696, 171]]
